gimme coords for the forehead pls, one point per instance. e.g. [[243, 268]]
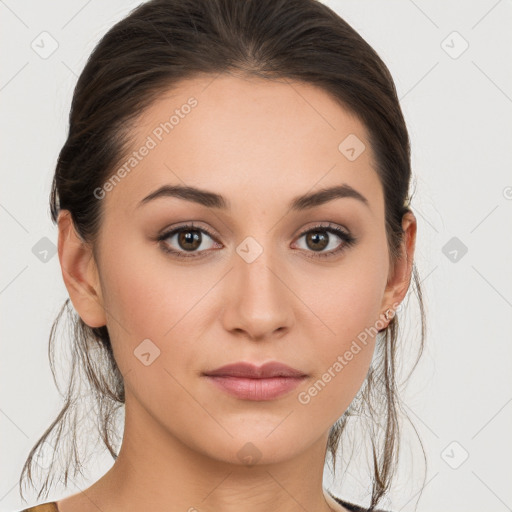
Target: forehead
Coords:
[[247, 139]]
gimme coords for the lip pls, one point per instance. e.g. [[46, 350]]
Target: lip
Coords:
[[249, 370], [256, 389], [250, 382]]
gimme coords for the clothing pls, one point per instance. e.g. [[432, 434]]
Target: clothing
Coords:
[[52, 507], [351, 506]]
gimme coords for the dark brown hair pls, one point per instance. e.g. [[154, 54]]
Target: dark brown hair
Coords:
[[159, 44]]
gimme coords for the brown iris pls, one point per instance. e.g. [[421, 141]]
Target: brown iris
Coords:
[[190, 239], [319, 239]]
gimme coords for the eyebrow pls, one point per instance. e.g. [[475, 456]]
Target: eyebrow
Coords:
[[214, 200]]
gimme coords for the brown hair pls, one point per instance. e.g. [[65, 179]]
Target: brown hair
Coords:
[[157, 45]]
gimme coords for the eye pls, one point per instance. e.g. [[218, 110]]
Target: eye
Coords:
[[189, 238], [320, 237]]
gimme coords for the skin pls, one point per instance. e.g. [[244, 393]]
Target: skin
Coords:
[[259, 144]]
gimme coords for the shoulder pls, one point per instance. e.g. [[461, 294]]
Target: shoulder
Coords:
[[50, 506], [353, 507]]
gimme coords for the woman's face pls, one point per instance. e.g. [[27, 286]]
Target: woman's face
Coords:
[[255, 283]]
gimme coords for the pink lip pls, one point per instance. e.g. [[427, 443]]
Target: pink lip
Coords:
[[250, 382], [256, 389]]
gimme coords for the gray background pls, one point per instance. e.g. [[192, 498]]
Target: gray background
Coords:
[[458, 108]]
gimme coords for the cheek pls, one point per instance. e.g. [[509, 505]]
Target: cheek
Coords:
[[145, 298], [154, 302], [347, 300], [342, 361], [348, 305]]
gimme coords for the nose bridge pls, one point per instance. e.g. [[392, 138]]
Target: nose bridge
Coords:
[[255, 266], [258, 301]]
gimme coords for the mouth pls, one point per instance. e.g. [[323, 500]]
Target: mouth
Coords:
[[247, 381]]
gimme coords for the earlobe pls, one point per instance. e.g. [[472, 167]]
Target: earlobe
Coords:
[[80, 273]]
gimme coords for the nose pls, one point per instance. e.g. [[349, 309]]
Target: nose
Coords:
[[258, 301]]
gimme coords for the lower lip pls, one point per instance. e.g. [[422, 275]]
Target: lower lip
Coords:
[[256, 389]]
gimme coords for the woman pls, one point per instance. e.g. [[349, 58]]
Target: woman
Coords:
[[235, 235]]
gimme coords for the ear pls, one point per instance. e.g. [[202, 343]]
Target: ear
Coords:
[[80, 273], [400, 274]]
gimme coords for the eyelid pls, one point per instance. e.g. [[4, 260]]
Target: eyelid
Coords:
[[192, 225]]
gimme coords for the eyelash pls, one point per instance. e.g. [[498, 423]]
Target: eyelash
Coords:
[[348, 239]]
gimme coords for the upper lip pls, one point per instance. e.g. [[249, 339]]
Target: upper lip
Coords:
[[249, 370]]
